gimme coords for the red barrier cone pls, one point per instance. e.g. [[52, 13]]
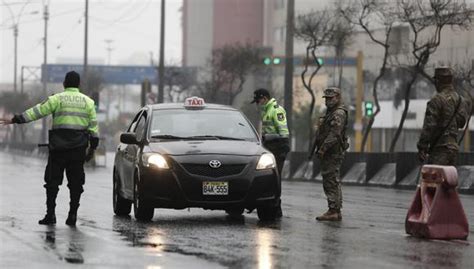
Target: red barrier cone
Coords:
[[436, 211]]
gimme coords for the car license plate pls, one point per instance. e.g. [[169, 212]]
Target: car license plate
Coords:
[[215, 188]]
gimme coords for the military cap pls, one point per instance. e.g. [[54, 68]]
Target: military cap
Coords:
[[260, 93], [331, 92], [443, 72]]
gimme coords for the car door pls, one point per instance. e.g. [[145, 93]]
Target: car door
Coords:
[[122, 164], [131, 152]]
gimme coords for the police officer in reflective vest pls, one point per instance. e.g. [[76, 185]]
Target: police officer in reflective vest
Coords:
[[74, 130], [275, 133]]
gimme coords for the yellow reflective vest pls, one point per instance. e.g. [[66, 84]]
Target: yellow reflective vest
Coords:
[[274, 119], [71, 110]]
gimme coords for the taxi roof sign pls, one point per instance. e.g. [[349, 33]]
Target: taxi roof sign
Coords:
[[194, 102]]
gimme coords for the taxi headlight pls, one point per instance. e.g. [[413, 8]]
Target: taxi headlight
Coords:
[[267, 161], [155, 159]]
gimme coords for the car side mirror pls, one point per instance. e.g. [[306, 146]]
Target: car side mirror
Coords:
[[128, 138]]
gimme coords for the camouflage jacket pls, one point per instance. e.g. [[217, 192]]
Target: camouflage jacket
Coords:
[[440, 128], [330, 136]]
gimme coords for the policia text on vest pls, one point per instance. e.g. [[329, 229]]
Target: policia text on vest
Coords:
[[74, 130]]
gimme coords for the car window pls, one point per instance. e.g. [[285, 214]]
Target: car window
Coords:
[[141, 127], [186, 123], [133, 125]]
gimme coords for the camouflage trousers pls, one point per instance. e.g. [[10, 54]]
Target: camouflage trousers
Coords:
[[443, 156], [330, 170]]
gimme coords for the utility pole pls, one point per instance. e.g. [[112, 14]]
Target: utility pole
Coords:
[[290, 26], [84, 68], [109, 49], [359, 99], [15, 62], [45, 70], [161, 68]]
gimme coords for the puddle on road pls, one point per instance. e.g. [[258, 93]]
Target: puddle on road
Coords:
[[67, 244]]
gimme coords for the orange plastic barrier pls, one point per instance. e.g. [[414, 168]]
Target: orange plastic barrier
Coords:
[[436, 211]]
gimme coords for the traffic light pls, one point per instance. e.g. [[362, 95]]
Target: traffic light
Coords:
[[320, 60], [267, 61], [276, 60], [272, 60], [96, 97], [369, 109]]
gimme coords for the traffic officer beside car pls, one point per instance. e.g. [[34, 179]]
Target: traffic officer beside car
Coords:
[[331, 142], [446, 113], [275, 133], [74, 131]]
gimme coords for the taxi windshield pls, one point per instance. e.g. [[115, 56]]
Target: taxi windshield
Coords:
[[204, 124]]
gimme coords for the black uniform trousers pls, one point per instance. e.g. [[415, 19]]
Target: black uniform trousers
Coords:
[[279, 149], [71, 161]]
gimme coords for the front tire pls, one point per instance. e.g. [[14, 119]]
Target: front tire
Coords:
[[142, 210], [122, 206]]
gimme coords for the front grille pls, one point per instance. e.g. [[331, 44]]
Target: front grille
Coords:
[[206, 170]]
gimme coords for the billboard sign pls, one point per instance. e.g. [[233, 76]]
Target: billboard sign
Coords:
[[110, 74]]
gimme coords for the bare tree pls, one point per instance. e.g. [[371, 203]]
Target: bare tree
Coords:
[[464, 84], [363, 14], [341, 39], [179, 81], [316, 30], [227, 71], [426, 20]]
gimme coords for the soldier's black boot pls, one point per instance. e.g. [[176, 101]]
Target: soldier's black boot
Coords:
[[73, 206], [50, 217]]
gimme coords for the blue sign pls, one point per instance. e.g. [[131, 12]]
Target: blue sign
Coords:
[[109, 74]]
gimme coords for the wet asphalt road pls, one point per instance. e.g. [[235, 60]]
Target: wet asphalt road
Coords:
[[371, 234]]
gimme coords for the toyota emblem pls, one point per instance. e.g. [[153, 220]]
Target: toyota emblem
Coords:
[[215, 164]]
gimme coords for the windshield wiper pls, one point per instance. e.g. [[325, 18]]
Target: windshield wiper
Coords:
[[218, 137], [169, 137]]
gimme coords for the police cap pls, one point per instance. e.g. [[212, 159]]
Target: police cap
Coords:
[[259, 94], [331, 92]]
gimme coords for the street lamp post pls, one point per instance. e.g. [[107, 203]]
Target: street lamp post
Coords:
[[44, 70], [15, 61]]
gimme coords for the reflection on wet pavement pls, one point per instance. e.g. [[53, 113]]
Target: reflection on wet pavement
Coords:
[[65, 244]]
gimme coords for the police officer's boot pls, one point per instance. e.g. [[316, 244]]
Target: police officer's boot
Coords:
[[50, 217], [331, 215], [73, 206]]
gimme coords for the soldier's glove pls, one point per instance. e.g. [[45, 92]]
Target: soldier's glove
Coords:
[[90, 154], [422, 156]]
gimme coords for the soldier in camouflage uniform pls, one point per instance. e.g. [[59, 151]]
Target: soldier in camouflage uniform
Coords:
[[332, 143], [443, 117]]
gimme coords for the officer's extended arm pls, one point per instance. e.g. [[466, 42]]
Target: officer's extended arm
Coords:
[[37, 112]]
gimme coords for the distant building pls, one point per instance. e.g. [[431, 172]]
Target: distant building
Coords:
[[210, 24]]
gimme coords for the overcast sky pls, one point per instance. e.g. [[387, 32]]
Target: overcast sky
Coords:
[[133, 26]]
